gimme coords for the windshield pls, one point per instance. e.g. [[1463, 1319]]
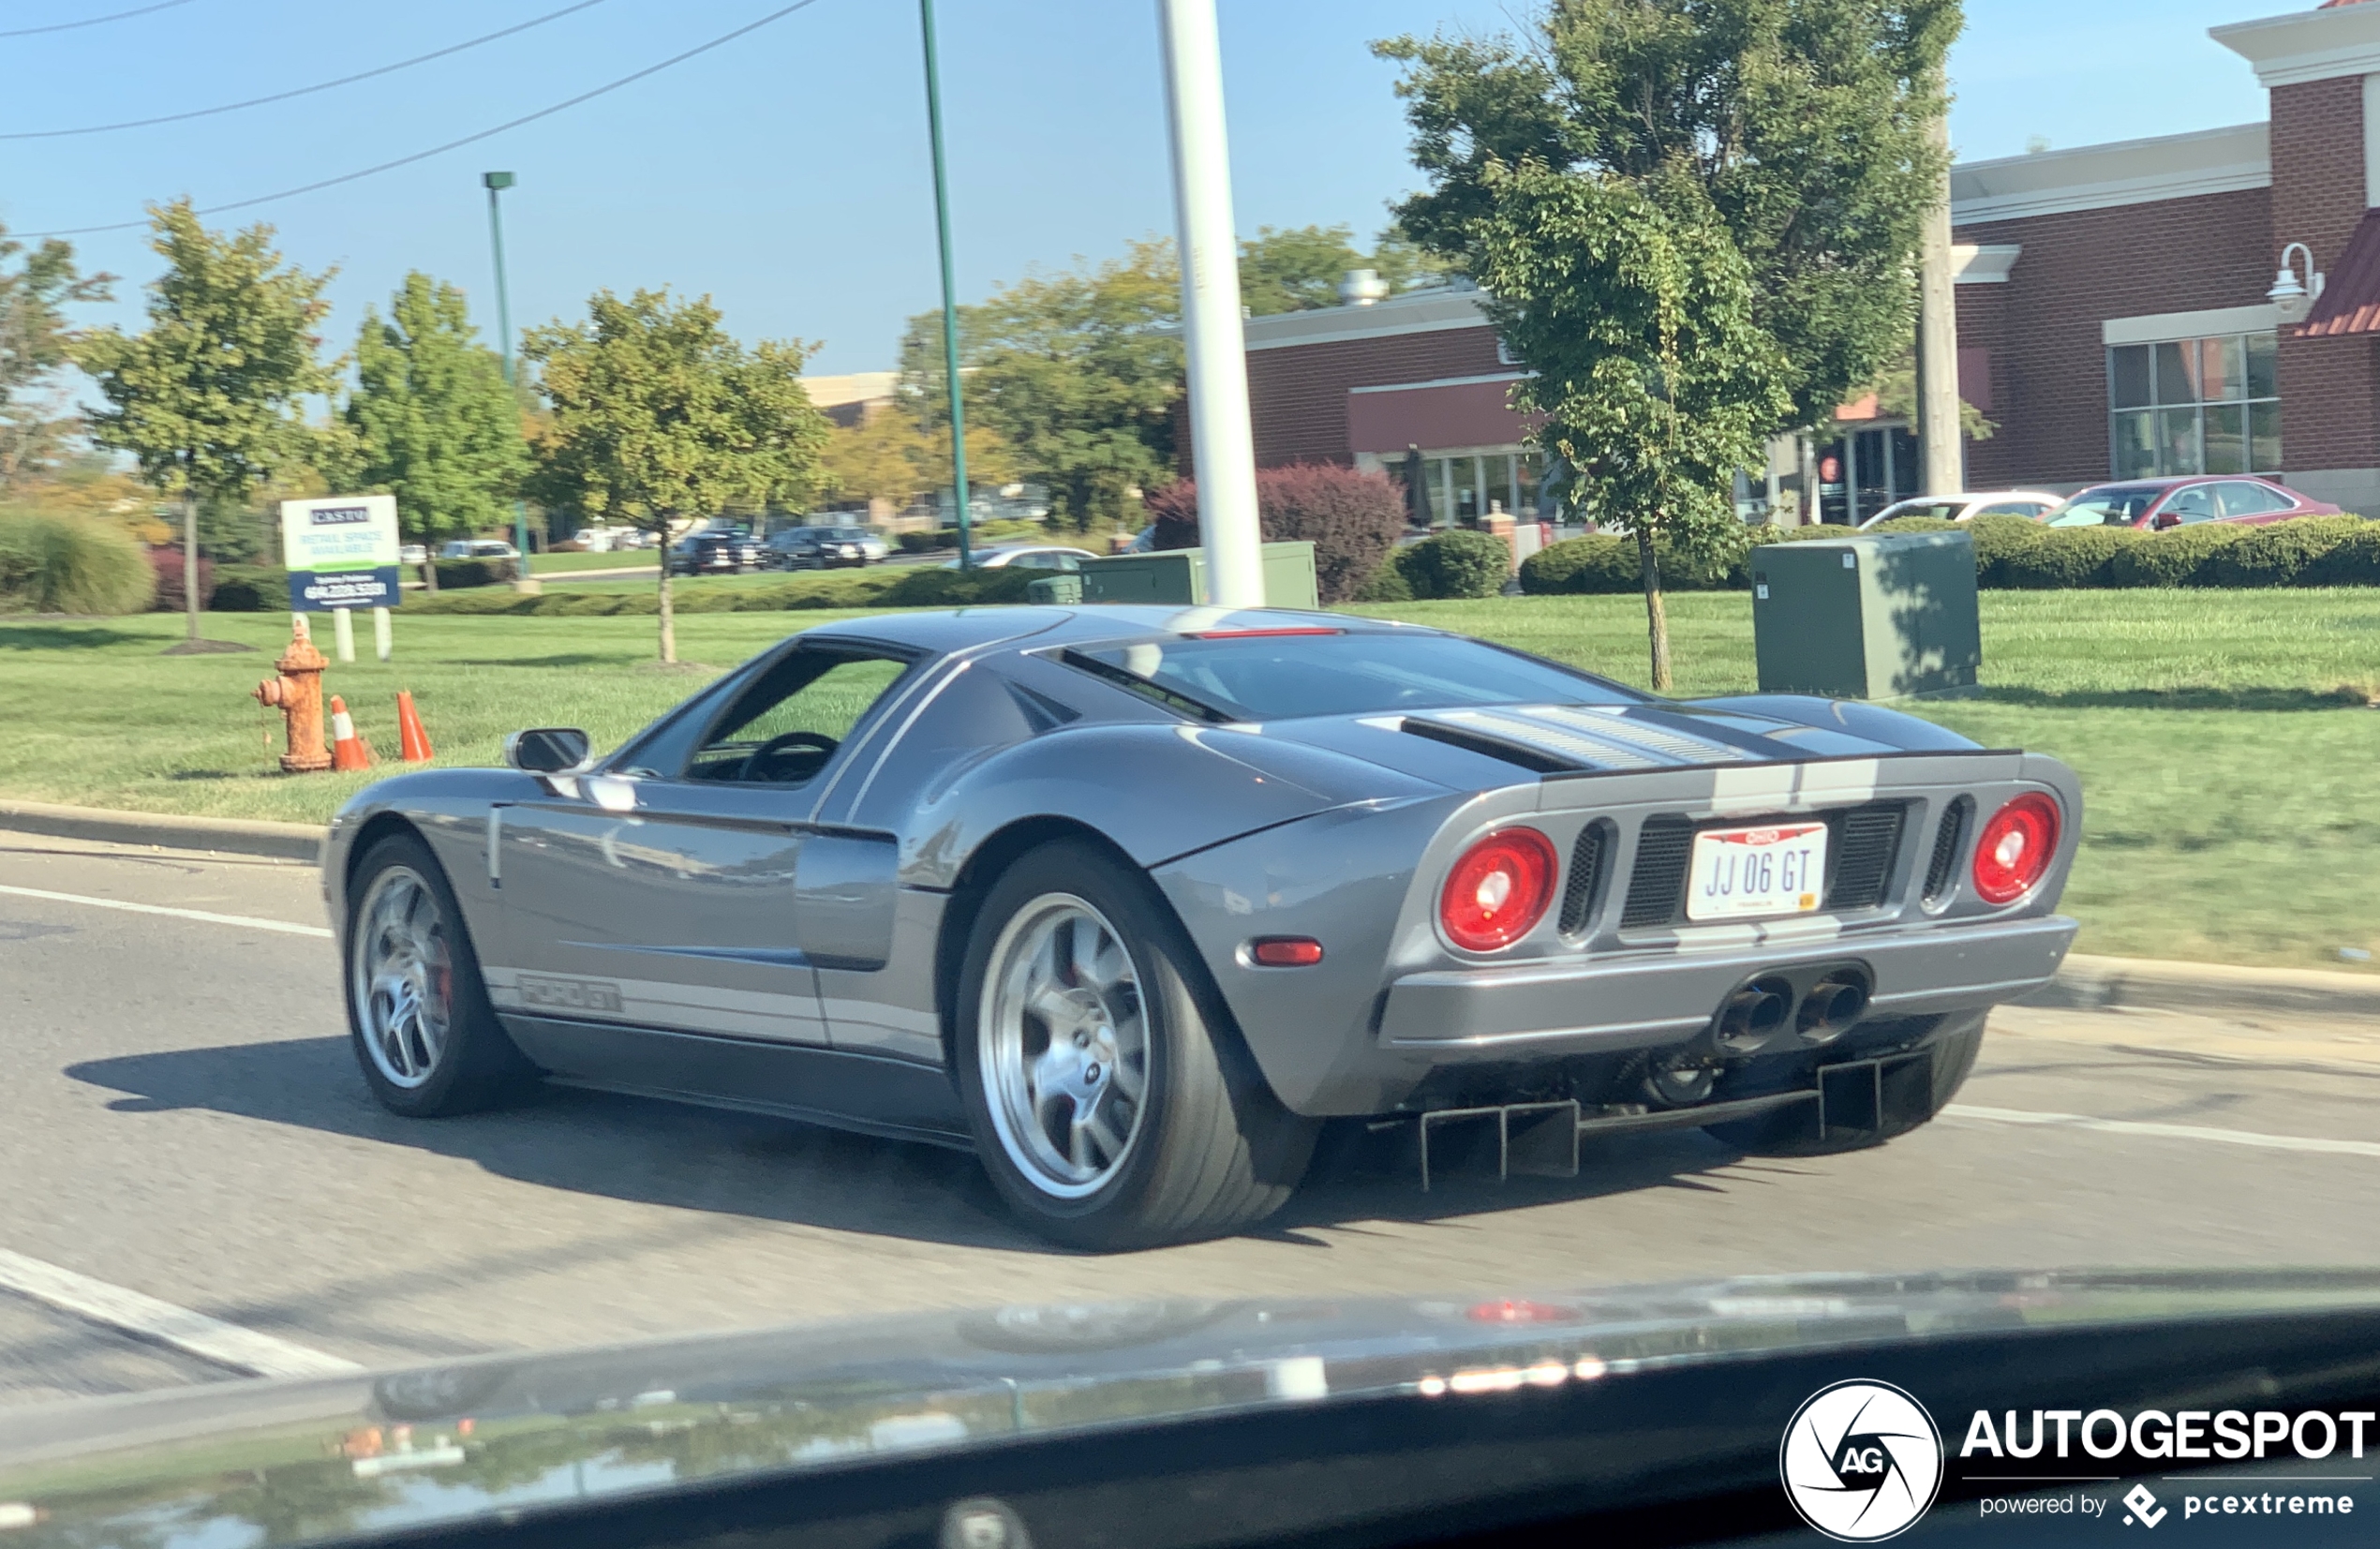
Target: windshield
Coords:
[[2115, 505], [1286, 677]]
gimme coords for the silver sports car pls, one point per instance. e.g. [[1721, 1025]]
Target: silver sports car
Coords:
[[1136, 902]]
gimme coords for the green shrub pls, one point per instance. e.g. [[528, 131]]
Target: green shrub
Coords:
[[1917, 524], [1387, 585], [2172, 559], [1352, 519], [1456, 563], [2277, 554], [2353, 562], [249, 588], [1599, 563], [71, 564], [928, 542], [929, 587], [2054, 559]]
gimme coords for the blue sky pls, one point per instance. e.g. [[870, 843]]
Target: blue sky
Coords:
[[787, 175]]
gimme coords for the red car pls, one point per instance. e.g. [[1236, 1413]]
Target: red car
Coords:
[[2157, 504]]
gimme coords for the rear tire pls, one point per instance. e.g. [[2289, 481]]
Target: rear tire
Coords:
[[1787, 1132], [417, 1011], [1111, 1102]]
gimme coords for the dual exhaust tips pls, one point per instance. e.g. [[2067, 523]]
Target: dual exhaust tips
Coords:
[[1755, 1015]]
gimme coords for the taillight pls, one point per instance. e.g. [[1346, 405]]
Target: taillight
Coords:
[[1498, 891], [2014, 850]]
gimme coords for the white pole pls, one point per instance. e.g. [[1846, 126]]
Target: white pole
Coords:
[[1222, 445], [1938, 430], [383, 634], [344, 630]]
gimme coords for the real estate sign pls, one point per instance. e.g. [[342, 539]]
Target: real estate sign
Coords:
[[341, 552]]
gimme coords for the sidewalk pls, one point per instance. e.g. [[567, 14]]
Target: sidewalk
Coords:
[[2084, 983]]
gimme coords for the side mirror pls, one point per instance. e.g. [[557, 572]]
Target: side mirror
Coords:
[[551, 749], [2165, 519]]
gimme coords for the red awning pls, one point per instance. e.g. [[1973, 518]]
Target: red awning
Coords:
[[2350, 301]]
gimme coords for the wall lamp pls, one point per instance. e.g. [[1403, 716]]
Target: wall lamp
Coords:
[[2293, 295]]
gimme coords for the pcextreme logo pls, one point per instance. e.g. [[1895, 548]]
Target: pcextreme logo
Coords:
[[1861, 1461]]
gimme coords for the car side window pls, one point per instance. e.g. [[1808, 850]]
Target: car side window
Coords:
[[2242, 498], [786, 726], [1047, 561], [2014, 508], [2194, 504]]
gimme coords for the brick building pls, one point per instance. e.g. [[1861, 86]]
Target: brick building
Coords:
[[2115, 311]]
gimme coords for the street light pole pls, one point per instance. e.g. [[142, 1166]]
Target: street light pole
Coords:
[[496, 182], [1223, 444], [1938, 429], [949, 283]]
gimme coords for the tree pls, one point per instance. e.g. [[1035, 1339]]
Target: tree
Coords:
[[433, 421], [890, 457], [1300, 269], [35, 341], [1076, 372], [1806, 123], [659, 415], [208, 399], [1697, 220]]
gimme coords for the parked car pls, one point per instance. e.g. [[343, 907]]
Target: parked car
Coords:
[[479, 548], [2156, 504], [413, 554], [716, 552], [824, 547], [1028, 556], [2032, 504], [1118, 897]]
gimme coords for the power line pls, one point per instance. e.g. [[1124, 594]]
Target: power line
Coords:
[[307, 91], [453, 144], [93, 21]]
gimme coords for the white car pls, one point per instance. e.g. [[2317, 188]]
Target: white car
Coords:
[[413, 554], [2032, 504], [479, 548], [1028, 556]]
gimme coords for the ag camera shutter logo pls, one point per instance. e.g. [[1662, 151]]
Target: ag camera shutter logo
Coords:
[[1861, 1461]]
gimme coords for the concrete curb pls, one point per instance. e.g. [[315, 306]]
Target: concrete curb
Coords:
[[224, 835], [2084, 983], [2091, 983]]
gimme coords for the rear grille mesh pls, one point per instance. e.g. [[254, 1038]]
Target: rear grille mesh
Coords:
[[1866, 842], [1664, 845], [1589, 859], [1947, 839], [1870, 841]]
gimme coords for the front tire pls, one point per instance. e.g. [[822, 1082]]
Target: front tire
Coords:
[[1110, 1101], [417, 1011]]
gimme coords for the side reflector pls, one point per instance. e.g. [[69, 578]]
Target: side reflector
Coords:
[[1285, 951]]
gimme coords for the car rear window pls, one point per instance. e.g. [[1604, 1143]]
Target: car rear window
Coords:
[[1258, 676]]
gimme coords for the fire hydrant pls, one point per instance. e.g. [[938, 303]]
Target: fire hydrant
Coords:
[[297, 694]]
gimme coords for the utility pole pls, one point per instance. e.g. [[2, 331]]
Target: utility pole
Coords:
[[1938, 431], [949, 285], [1223, 444], [496, 183]]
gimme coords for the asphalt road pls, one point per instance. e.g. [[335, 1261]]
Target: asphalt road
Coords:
[[182, 1119]]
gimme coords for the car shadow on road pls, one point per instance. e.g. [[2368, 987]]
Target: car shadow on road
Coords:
[[650, 1152]]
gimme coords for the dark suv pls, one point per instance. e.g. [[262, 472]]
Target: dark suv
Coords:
[[818, 547], [713, 553]]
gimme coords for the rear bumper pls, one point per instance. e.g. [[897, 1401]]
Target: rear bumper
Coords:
[[1453, 1015]]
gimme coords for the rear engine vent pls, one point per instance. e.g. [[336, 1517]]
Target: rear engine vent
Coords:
[[1942, 869], [1664, 846], [1536, 760], [1590, 860], [1868, 839]]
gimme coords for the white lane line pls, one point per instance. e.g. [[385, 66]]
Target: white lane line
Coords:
[[2164, 1132], [226, 1344], [251, 922]]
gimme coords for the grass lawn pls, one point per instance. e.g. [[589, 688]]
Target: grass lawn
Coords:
[[2233, 788]]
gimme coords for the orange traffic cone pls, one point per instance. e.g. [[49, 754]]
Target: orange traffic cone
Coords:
[[413, 741], [347, 750]]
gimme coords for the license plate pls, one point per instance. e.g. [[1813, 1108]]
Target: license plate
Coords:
[[1742, 872]]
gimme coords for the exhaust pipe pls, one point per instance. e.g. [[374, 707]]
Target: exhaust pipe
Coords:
[[1832, 1005], [1754, 1012]]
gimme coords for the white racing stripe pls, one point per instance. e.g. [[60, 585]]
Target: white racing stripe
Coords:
[[225, 1344], [250, 921], [2162, 1132]]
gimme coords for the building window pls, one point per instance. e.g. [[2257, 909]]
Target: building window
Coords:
[[1865, 472], [1458, 488], [2194, 406]]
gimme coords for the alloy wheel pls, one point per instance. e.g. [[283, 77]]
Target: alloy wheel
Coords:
[[403, 973]]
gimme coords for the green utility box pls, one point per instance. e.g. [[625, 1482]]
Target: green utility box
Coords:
[[1178, 577], [1054, 591], [1867, 616]]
